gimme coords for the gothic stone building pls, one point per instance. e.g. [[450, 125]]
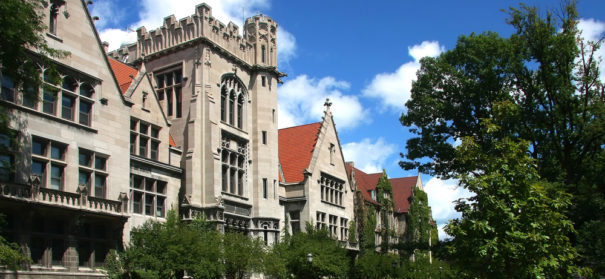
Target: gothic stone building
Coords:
[[218, 90], [396, 221], [72, 186], [188, 122], [184, 119], [313, 179]]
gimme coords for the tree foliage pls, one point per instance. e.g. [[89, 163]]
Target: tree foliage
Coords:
[[242, 255], [384, 194], [11, 254], [366, 217], [172, 248], [547, 80], [514, 226], [330, 259], [418, 224], [372, 265], [22, 36], [169, 249]]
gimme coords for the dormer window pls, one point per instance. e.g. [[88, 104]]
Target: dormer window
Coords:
[[373, 193]]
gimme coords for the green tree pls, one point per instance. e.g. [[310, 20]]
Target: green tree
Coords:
[[372, 265], [548, 78], [11, 254], [330, 259], [514, 226], [242, 255], [168, 250], [23, 47]]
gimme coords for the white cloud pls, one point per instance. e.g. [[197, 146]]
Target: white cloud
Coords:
[[441, 232], [368, 156], [441, 195], [117, 37], [301, 101], [593, 30], [424, 49], [153, 12], [394, 88], [107, 12], [286, 46]]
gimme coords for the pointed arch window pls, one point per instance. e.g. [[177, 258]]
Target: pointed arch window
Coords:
[[240, 110], [223, 104], [233, 101], [231, 106]]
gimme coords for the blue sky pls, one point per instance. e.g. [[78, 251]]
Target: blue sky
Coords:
[[361, 55]]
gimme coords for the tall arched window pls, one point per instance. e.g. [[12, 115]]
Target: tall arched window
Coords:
[[231, 106], [223, 104], [233, 101], [240, 110]]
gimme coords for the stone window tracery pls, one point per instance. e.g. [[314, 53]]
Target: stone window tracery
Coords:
[[233, 100], [331, 189], [234, 155], [169, 84], [66, 97]]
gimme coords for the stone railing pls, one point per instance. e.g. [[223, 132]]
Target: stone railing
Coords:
[[80, 200]]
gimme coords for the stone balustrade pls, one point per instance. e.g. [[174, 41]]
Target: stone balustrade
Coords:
[[81, 201]]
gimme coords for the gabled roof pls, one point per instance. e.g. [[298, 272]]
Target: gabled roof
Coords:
[[402, 191], [123, 73], [366, 183], [296, 145]]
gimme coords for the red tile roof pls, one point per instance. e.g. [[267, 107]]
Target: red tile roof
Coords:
[[366, 183], [171, 141], [296, 145], [124, 73], [402, 191]]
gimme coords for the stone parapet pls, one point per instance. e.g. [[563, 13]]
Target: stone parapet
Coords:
[[202, 25]]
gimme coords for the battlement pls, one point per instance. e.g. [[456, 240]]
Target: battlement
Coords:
[[202, 25]]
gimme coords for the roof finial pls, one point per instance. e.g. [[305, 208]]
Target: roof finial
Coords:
[[327, 104]]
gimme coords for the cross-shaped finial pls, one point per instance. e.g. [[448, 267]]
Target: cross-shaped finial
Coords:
[[327, 104]]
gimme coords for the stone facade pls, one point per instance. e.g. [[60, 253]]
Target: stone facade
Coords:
[[314, 183], [76, 184], [223, 114], [183, 119]]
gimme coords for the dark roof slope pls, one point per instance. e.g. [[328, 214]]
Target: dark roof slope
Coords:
[[402, 191], [366, 183]]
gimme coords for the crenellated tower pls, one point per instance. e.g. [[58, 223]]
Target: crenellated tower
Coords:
[[261, 32], [218, 89]]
